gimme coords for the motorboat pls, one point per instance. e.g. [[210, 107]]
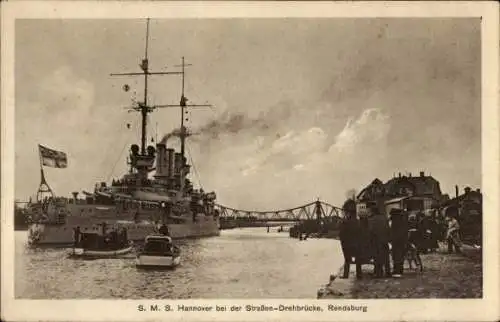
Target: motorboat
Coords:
[[158, 252], [94, 246]]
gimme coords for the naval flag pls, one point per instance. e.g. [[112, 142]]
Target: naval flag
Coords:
[[52, 158]]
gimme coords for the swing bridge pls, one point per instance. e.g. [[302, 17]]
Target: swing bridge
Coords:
[[319, 211]]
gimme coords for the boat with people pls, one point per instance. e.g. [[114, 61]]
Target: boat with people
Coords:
[[104, 243], [158, 252], [156, 189]]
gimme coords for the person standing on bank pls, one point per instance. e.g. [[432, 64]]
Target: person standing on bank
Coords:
[[349, 233], [434, 227], [399, 239], [379, 232], [452, 235]]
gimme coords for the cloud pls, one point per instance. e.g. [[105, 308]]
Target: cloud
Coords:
[[63, 92], [372, 127], [298, 166], [64, 117], [402, 95]]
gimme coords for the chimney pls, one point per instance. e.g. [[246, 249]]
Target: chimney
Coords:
[[399, 174], [409, 174], [171, 164], [467, 189], [478, 190], [422, 173], [456, 191]]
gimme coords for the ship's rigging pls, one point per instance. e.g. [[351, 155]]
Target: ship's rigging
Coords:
[[144, 108]]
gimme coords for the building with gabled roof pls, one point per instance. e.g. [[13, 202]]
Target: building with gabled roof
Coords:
[[421, 185], [413, 193]]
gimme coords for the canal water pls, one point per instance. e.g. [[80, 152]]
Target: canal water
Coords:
[[241, 263]]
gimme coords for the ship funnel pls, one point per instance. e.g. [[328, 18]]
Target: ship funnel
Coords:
[[161, 160], [171, 159], [178, 163]]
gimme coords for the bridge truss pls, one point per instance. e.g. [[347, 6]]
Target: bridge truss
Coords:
[[317, 210]]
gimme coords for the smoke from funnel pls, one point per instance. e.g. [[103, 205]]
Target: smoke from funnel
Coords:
[[177, 133], [225, 124], [351, 194], [272, 120], [237, 123]]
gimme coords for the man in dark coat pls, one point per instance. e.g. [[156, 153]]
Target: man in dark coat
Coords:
[[164, 230], [379, 232], [413, 233], [365, 248], [349, 234], [423, 235], [434, 228], [399, 239]]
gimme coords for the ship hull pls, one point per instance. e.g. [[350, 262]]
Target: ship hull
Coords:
[[62, 235]]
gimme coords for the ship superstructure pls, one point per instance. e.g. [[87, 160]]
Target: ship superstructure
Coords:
[[156, 189]]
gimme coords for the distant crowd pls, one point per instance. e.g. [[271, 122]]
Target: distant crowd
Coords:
[[376, 237]]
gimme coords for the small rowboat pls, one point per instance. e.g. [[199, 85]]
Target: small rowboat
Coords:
[[94, 246], [158, 252], [78, 252]]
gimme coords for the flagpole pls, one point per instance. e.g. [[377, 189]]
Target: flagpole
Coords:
[[40, 157], [43, 182]]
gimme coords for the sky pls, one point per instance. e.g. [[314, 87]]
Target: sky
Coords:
[[303, 108]]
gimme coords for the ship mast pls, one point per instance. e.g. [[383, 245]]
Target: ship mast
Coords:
[[144, 110], [183, 105], [143, 106]]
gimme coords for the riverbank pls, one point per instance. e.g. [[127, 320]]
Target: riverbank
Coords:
[[444, 276]]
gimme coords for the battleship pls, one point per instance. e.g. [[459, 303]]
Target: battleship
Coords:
[[156, 190]]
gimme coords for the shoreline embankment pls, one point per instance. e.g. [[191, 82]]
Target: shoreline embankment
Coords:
[[444, 276]]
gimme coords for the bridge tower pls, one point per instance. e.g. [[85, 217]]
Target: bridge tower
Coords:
[[318, 210]]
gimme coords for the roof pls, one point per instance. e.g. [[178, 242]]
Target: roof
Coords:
[[375, 182], [423, 185]]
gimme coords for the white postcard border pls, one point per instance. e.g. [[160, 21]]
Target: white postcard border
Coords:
[[126, 310]]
